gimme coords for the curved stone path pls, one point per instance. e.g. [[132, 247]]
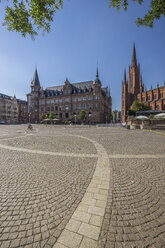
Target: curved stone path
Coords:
[[87, 197]]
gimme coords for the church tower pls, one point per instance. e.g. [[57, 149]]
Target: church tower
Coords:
[[134, 75], [35, 93]]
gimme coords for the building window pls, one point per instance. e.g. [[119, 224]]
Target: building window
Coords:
[[89, 98], [52, 108], [48, 108], [48, 101], [42, 109], [79, 99], [79, 106], [60, 108], [66, 99], [52, 101], [68, 91], [84, 98], [74, 99], [154, 96], [89, 106], [84, 106], [65, 91], [56, 101], [66, 107], [96, 105], [66, 115], [149, 98], [56, 108], [74, 107]]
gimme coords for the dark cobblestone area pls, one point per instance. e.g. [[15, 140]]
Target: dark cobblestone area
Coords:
[[135, 213], [38, 195]]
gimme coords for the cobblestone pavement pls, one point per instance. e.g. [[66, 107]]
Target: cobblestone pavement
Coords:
[[67, 187]]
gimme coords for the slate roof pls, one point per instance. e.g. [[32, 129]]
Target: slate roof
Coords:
[[76, 88]]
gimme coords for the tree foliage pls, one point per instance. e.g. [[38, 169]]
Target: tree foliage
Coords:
[[28, 16], [139, 106], [72, 119], [157, 9], [43, 116], [51, 116], [82, 115]]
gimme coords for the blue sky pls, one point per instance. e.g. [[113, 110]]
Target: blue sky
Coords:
[[84, 32]]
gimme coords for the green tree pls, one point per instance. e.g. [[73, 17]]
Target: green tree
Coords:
[[157, 9], [115, 115], [51, 116], [82, 115], [28, 16], [43, 116], [71, 118], [139, 106]]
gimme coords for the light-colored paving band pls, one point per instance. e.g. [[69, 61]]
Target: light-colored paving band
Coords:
[[19, 149], [83, 229]]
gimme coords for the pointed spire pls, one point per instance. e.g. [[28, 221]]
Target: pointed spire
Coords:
[[141, 81], [97, 80], [97, 72], [134, 60], [125, 80], [35, 80]]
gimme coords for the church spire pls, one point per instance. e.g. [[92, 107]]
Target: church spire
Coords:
[[125, 80], [134, 60], [35, 80]]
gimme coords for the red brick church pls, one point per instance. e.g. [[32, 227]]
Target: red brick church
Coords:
[[133, 89]]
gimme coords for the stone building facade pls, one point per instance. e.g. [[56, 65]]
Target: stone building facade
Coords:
[[134, 90], [12, 110], [69, 99]]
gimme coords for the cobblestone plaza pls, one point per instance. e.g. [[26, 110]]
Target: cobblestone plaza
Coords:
[[87, 187]]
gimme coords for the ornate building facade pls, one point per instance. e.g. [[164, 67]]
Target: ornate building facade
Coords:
[[69, 99], [134, 90], [12, 110]]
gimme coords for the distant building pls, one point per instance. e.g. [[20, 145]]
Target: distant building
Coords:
[[69, 99], [12, 110], [134, 90]]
